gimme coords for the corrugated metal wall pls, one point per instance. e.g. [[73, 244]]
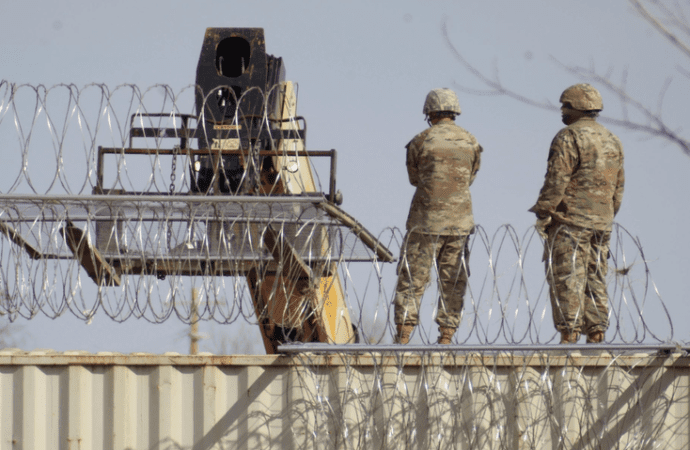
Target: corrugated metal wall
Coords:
[[400, 401]]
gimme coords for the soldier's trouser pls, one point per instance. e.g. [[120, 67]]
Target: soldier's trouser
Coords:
[[576, 266], [419, 253]]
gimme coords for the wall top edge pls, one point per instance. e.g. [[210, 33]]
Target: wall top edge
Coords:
[[42, 357]]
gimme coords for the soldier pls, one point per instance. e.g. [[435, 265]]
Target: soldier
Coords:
[[442, 162], [582, 193]]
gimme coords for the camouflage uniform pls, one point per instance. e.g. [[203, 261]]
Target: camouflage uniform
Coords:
[[442, 163], [582, 192]]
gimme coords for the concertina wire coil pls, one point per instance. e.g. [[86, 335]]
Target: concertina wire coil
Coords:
[[50, 169]]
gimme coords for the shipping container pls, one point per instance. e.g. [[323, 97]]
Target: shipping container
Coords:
[[487, 400]]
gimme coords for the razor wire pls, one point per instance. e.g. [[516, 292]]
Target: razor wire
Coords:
[[165, 241], [487, 400], [506, 302], [501, 384]]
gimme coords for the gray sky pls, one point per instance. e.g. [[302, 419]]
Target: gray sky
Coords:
[[363, 70]]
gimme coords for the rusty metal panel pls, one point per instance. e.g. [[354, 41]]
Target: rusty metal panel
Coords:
[[404, 400]]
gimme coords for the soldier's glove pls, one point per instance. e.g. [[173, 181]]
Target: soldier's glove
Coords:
[[542, 226]]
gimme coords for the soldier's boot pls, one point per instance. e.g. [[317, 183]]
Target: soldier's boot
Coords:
[[570, 337], [403, 333], [446, 335], [595, 337]]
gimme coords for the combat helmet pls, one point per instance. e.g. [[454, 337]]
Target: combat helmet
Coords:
[[438, 100], [582, 97]]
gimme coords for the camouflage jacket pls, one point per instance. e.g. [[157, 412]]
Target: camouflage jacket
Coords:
[[585, 177], [442, 162]]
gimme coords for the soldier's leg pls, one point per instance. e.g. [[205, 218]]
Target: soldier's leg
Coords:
[[596, 317], [452, 278], [566, 276], [414, 269]]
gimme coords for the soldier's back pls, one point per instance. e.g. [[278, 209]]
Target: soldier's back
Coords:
[[445, 161]]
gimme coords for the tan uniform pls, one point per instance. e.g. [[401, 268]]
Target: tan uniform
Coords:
[[442, 163], [582, 192]]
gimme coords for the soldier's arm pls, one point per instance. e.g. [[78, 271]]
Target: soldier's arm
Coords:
[[563, 158], [620, 185], [413, 161], [477, 162]]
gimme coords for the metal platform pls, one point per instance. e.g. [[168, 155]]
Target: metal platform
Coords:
[[183, 234]]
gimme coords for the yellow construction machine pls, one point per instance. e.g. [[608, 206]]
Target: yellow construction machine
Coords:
[[250, 165]]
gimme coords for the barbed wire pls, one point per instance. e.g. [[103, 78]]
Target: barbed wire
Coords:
[[152, 238], [90, 226], [439, 399]]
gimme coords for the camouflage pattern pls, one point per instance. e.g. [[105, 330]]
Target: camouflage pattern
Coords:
[[442, 162], [585, 177], [576, 268], [439, 100], [420, 253], [583, 97], [582, 192]]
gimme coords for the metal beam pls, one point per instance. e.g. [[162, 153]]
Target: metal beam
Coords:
[[560, 348]]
